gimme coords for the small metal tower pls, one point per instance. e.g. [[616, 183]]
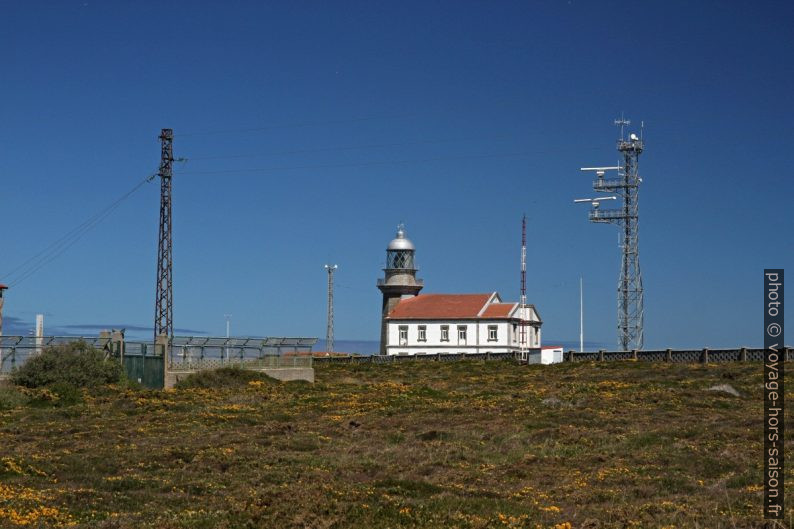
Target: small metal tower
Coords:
[[164, 300], [329, 332], [522, 335], [626, 186]]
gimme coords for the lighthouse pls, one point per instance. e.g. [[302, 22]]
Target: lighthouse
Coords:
[[399, 280]]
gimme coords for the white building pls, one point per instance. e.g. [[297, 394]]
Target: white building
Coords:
[[414, 323], [461, 323]]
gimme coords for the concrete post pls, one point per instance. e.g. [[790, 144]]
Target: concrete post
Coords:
[[633, 354], [743, 354], [161, 347], [668, 355], [705, 356], [600, 355], [117, 343]]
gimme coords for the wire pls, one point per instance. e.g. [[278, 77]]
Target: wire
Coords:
[[292, 125], [367, 164], [349, 148], [59, 246]]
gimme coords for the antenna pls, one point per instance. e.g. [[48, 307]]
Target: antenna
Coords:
[[522, 337], [622, 122], [329, 332], [625, 187]]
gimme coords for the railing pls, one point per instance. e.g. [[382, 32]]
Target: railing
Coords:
[[440, 357], [705, 355], [742, 354], [225, 350], [612, 184], [605, 215], [382, 282]]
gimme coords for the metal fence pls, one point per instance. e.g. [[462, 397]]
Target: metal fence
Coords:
[[143, 361], [16, 350], [743, 354], [193, 350], [427, 357]]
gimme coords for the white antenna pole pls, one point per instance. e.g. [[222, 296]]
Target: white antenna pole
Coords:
[[39, 332], [522, 335], [581, 317]]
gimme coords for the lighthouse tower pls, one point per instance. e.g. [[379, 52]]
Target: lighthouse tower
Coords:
[[399, 279]]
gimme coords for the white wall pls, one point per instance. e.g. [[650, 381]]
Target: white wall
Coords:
[[476, 337]]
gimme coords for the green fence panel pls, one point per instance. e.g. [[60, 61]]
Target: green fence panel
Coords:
[[153, 372], [146, 370], [133, 365]]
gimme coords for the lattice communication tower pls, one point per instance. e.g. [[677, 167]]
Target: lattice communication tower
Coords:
[[626, 188]]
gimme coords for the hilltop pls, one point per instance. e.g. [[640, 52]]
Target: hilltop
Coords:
[[462, 444]]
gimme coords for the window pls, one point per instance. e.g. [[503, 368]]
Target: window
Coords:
[[400, 259], [492, 333], [445, 333], [403, 335], [461, 334], [422, 333]]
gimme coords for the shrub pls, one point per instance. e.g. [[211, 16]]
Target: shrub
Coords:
[[11, 397], [68, 394], [76, 364], [224, 377]]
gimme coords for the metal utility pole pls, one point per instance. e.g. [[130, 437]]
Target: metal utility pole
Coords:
[[164, 299], [522, 335], [626, 186], [329, 333]]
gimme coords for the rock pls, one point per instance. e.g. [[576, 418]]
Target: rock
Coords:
[[725, 388], [554, 402]]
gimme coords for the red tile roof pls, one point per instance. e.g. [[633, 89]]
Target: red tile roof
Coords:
[[498, 310], [440, 306]]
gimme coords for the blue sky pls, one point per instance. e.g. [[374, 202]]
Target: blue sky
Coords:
[[312, 128]]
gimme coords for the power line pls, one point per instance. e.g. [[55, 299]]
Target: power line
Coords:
[[294, 125], [369, 164], [60, 245], [351, 148]]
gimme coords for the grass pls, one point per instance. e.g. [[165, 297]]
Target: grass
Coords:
[[462, 444]]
